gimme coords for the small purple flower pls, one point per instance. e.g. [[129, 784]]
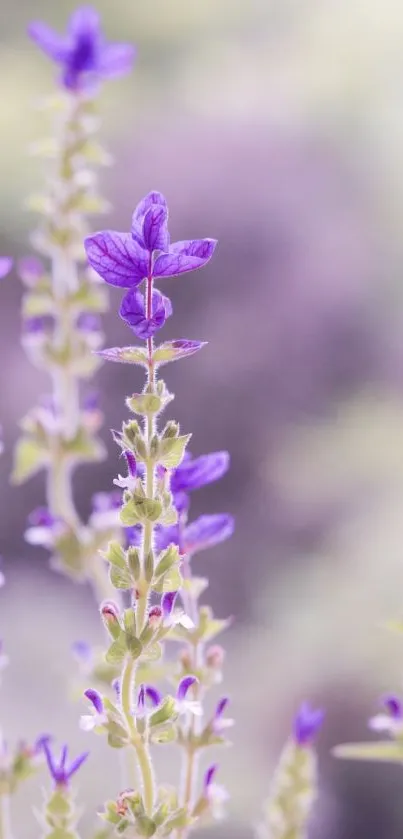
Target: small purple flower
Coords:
[[6, 264], [31, 270], [128, 482], [60, 772], [183, 704], [171, 617], [97, 717], [44, 528], [91, 401], [35, 328], [150, 693], [392, 720], [307, 724], [105, 510], [133, 312], [83, 54], [126, 259], [215, 794], [83, 653], [219, 722]]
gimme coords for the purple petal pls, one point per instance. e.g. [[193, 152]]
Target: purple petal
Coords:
[[103, 502], [221, 707], [165, 536], [132, 311], [91, 401], [209, 775], [117, 60], [173, 264], [89, 322], [134, 535], [141, 700], [167, 603], [96, 700], [82, 651], [394, 706], [116, 258], [53, 45], [193, 474], [76, 765], [116, 687], [30, 269], [6, 264], [201, 248], [183, 687], [41, 517], [307, 724], [207, 531], [63, 757], [131, 463], [153, 695], [155, 229], [148, 201], [85, 20]]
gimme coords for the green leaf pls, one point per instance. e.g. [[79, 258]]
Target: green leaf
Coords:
[[145, 826], [120, 577], [115, 554], [171, 581], [383, 751], [125, 355], [172, 449], [133, 645], [144, 403], [165, 713], [29, 458], [117, 651], [174, 350], [164, 735], [167, 559]]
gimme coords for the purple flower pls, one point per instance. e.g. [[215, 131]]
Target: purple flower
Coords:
[[133, 311], [171, 617], [150, 693], [207, 531], [31, 270], [125, 259], [89, 322], [83, 54], [6, 264], [307, 724], [97, 717], [167, 603], [194, 473], [105, 510], [44, 528], [60, 772], [392, 720], [82, 651], [219, 722], [91, 402], [183, 704], [95, 699], [215, 794]]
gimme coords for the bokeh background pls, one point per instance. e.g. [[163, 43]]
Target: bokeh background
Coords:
[[277, 127]]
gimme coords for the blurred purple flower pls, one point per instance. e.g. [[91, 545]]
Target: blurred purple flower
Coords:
[[83, 54], [307, 724], [31, 270], [6, 264], [60, 772], [133, 312], [392, 720], [125, 259], [204, 532], [194, 473], [89, 322]]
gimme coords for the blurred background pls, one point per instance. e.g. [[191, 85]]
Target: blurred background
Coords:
[[277, 127]]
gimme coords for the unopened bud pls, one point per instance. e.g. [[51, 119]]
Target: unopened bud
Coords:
[[171, 430], [215, 657], [155, 616], [110, 615]]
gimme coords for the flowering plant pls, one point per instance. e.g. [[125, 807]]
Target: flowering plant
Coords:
[[138, 547]]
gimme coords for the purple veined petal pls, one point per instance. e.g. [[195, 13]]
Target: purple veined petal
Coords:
[[116, 60], [84, 20], [207, 531], [148, 201], [184, 685], [173, 264], [155, 228], [167, 603], [53, 45], [193, 474], [6, 264], [74, 767], [153, 695], [132, 311], [209, 776], [201, 248], [96, 699], [116, 258]]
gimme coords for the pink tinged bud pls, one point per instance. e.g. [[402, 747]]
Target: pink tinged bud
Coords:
[[215, 656], [155, 616], [110, 611]]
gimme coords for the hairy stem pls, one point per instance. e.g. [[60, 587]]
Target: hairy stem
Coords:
[[143, 756]]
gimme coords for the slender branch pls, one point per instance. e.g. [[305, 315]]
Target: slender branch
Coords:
[[5, 816], [143, 757]]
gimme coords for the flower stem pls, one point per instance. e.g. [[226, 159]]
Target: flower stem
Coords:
[[5, 816], [142, 753]]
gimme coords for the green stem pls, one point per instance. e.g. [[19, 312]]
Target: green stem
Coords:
[[142, 753], [5, 817]]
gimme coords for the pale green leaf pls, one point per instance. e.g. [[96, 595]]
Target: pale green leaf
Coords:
[[383, 751], [29, 458]]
